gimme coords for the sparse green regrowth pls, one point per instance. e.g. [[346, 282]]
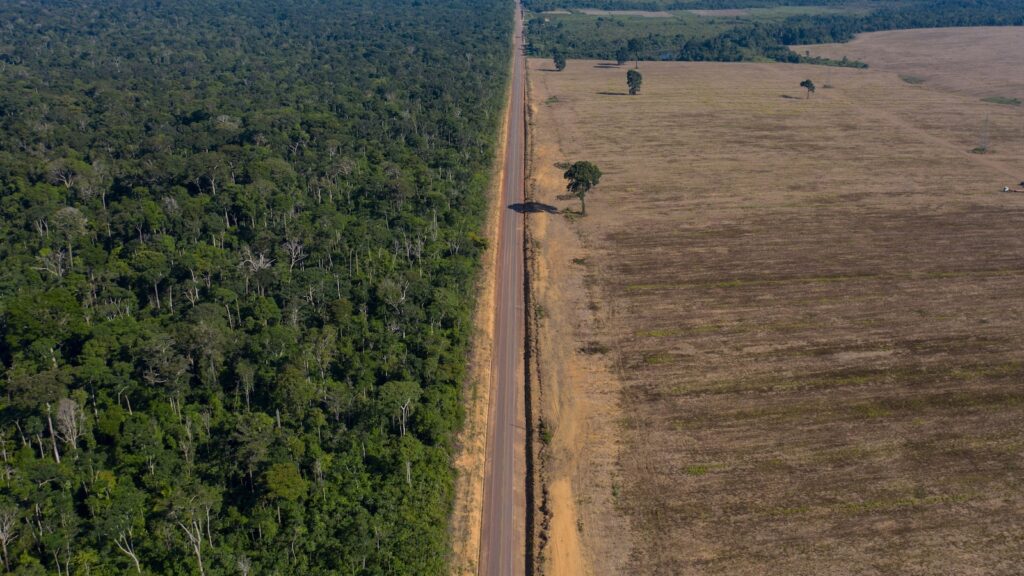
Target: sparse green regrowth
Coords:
[[1002, 100], [544, 433], [582, 177], [657, 358]]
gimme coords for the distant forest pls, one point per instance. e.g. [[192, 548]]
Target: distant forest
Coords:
[[761, 40], [237, 256]]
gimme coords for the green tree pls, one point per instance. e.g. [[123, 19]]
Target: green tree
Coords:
[[622, 55], [809, 86], [634, 47], [634, 79], [559, 61], [582, 176]]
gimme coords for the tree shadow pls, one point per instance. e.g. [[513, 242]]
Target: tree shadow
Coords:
[[614, 93], [547, 70], [789, 97], [533, 208], [607, 65]]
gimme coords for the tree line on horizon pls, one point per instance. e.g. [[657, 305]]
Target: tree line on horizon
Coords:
[[763, 40], [239, 248]]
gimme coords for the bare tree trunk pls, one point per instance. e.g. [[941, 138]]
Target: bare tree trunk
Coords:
[[124, 544], [53, 437]]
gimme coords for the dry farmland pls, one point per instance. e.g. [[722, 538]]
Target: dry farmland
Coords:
[[787, 337], [984, 62]]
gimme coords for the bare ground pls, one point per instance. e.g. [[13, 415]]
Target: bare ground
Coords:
[[786, 338], [982, 61]]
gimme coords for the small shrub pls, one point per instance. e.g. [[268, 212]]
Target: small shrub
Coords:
[[545, 433], [1002, 100]]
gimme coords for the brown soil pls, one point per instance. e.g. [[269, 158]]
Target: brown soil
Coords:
[[982, 62], [786, 337]]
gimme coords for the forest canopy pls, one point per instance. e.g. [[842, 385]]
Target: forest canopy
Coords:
[[742, 38], [238, 243]]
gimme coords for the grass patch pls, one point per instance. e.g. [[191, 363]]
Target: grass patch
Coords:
[[657, 358], [544, 433], [594, 348], [552, 100], [915, 80], [696, 470], [1002, 100]]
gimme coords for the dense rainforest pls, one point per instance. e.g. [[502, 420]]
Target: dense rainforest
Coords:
[[237, 255], [753, 39]]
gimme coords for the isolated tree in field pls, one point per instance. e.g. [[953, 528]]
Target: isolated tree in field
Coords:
[[622, 55], [809, 86], [559, 61], [634, 79], [635, 46], [582, 177]]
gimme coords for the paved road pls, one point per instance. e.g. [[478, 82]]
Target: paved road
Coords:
[[502, 539]]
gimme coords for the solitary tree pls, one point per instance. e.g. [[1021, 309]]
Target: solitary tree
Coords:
[[559, 61], [622, 55], [634, 79], [582, 176], [635, 46], [809, 86]]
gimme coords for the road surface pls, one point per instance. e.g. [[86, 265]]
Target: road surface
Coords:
[[503, 534]]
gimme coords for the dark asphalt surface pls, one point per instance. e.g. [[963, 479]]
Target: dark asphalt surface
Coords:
[[502, 539]]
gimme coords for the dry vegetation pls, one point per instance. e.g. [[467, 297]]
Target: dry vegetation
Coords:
[[812, 311], [982, 62]]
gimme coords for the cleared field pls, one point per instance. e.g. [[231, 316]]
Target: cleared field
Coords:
[[982, 62], [787, 337], [640, 13]]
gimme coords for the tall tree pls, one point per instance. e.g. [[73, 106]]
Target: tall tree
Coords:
[[635, 46], [559, 61], [622, 55], [809, 86], [583, 176], [634, 79]]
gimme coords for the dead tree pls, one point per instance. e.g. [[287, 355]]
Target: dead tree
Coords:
[[70, 422]]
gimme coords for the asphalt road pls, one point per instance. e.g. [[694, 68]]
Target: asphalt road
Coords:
[[502, 539]]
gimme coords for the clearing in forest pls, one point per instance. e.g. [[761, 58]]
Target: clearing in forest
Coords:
[[987, 62], [786, 337]]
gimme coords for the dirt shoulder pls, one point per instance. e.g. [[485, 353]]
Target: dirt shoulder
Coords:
[[471, 443], [576, 393]]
